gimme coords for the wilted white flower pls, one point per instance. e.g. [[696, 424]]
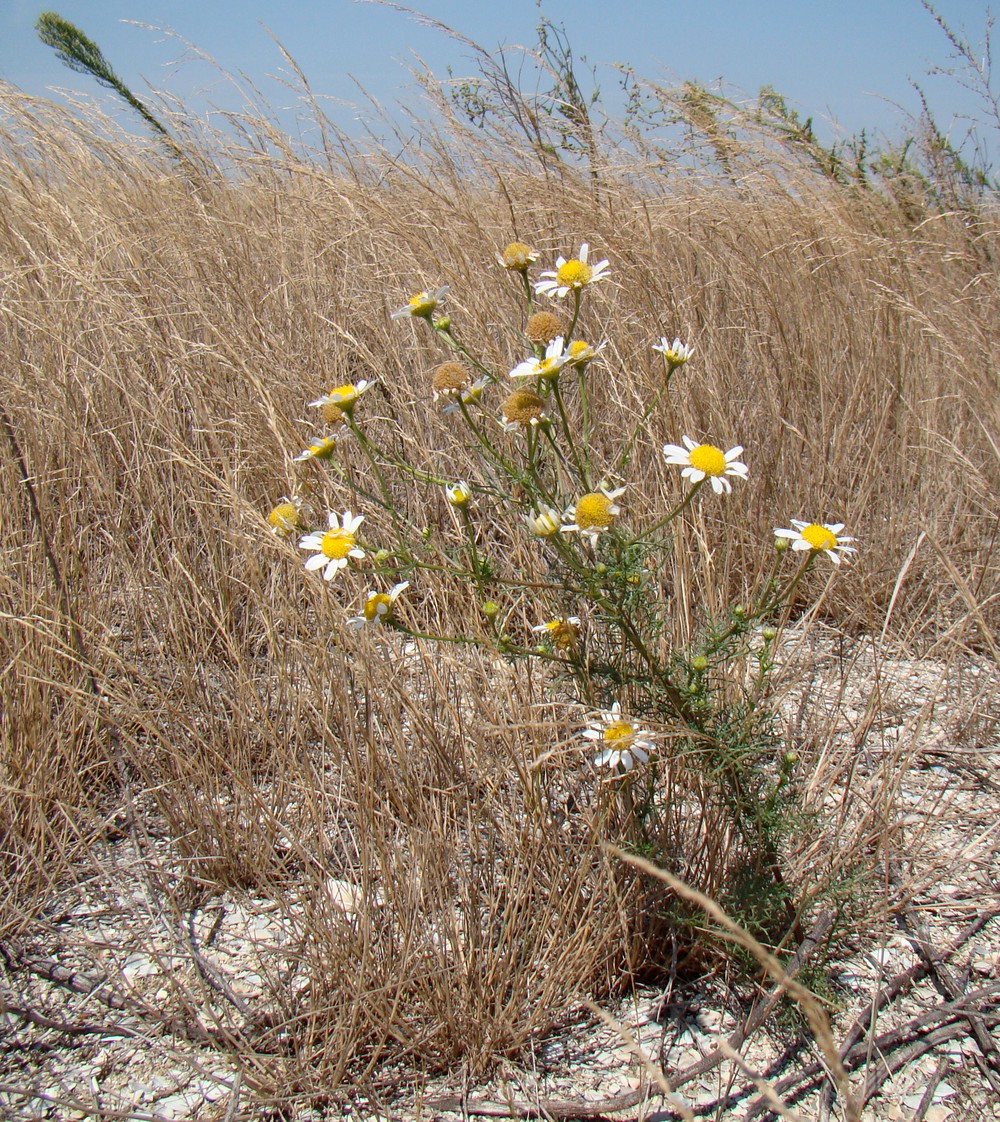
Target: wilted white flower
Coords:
[[623, 743]]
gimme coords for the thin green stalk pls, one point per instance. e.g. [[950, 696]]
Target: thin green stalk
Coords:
[[581, 464]]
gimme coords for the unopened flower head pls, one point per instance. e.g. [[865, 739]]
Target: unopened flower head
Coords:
[[623, 743], [459, 494], [321, 449], [564, 631], [705, 461], [523, 408], [344, 397], [334, 546], [285, 519], [379, 606], [594, 513], [450, 379], [517, 257], [818, 537], [572, 275], [676, 353], [546, 368], [422, 304], [543, 327], [544, 521]]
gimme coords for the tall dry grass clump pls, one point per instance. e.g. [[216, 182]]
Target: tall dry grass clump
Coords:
[[170, 671]]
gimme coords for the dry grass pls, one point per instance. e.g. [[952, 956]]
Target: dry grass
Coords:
[[166, 658]]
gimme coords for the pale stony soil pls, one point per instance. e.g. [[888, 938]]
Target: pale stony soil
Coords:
[[115, 1006]]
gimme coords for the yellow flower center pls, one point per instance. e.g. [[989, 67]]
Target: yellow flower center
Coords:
[[549, 368], [564, 633], [709, 459], [579, 348], [523, 407], [593, 512], [819, 537], [450, 378], [284, 518], [574, 273], [344, 395], [337, 544], [543, 327], [378, 604], [323, 449], [619, 730], [422, 304], [518, 256]]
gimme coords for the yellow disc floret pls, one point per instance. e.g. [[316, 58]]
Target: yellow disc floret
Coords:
[[518, 256], [709, 459], [450, 379], [574, 273], [619, 730], [594, 512], [377, 604], [543, 327], [284, 519], [332, 414], [523, 407], [337, 544], [819, 537]]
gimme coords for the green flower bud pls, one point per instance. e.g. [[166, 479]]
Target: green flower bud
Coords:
[[699, 664], [491, 609]]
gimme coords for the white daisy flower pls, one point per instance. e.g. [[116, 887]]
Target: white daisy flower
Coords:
[[344, 397], [459, 493], [572, 275], [548, 367], [705, 461], [333, 547], [422, 304], [594, 513], [378, 606], [285, 518], [623, 743], [563, 631], [580, 352], [676, 353], [819, 538], [517, 256], [544, 521], [322, 448]]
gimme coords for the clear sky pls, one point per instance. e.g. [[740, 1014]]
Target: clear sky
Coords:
[[849, 61]]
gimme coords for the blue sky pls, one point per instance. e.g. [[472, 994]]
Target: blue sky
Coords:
[[849, 61]]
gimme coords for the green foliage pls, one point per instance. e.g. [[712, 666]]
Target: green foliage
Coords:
[[544, 478], [80, 53]]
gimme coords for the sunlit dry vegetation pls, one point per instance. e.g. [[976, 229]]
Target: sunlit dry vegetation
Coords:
[[172, 676]]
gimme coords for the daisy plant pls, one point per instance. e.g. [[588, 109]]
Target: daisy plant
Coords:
[[545, 522]]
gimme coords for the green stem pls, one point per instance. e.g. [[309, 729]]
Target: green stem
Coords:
[[581, 466]]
